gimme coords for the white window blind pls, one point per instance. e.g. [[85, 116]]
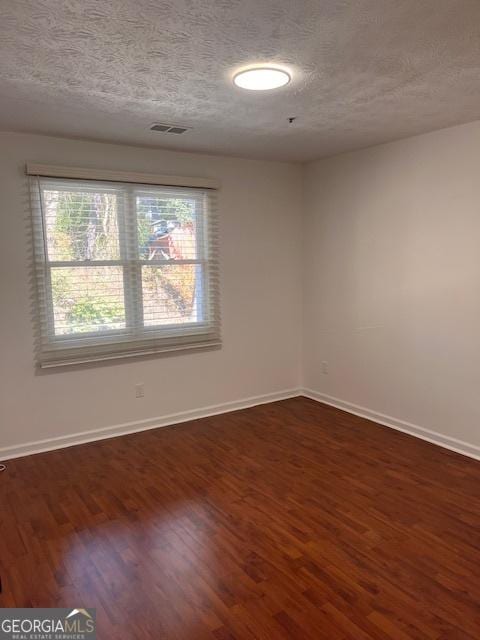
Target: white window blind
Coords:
[[123, 268]]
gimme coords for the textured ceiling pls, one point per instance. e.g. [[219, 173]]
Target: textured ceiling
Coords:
[[365, 71]]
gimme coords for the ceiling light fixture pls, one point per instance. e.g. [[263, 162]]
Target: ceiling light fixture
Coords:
[[261, 78]]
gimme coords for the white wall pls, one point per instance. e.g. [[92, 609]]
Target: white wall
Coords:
[[392, 280], [260, 225]]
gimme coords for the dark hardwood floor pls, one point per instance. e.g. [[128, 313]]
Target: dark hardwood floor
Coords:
[[288, 520]]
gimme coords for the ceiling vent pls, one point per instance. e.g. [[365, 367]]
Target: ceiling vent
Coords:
[[168, 128]]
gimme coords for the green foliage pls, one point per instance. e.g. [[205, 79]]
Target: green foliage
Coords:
[[144, 231], [85, 225], [169, 209], [77, 311], [60, 287], [173, 287], [68, 224], [181, 210], [94, 311]]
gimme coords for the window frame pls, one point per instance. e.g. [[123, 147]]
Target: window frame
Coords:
[[136, 338]]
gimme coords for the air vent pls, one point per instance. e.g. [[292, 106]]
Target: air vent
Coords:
[[168, 128]]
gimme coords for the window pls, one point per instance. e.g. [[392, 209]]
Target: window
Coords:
[[123, 268]]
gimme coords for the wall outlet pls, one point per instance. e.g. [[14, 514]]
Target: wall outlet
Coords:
[[325, 367], [139, 390]]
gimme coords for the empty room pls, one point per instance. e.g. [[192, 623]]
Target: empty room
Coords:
[[239, 320]]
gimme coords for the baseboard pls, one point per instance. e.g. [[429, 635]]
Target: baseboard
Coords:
[[459, 446], [49, 444]]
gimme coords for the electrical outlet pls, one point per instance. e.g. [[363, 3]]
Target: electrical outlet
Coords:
[[325, 367], [139, 390]]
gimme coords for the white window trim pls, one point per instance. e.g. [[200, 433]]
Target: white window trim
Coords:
[[70, 351], [105, 175]]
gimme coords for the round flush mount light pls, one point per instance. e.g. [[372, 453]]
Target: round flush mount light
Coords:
[[261, 78]]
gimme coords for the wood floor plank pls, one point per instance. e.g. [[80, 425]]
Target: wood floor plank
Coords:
[[284, 521]]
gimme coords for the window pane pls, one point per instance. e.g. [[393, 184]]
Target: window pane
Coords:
[[87, 299], [172, 294], [167, 227], [81, 225]]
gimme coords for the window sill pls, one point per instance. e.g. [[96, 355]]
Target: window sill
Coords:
[[121, 355]]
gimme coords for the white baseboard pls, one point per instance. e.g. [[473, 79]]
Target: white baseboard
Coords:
[[49, 444], [459, 446]]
